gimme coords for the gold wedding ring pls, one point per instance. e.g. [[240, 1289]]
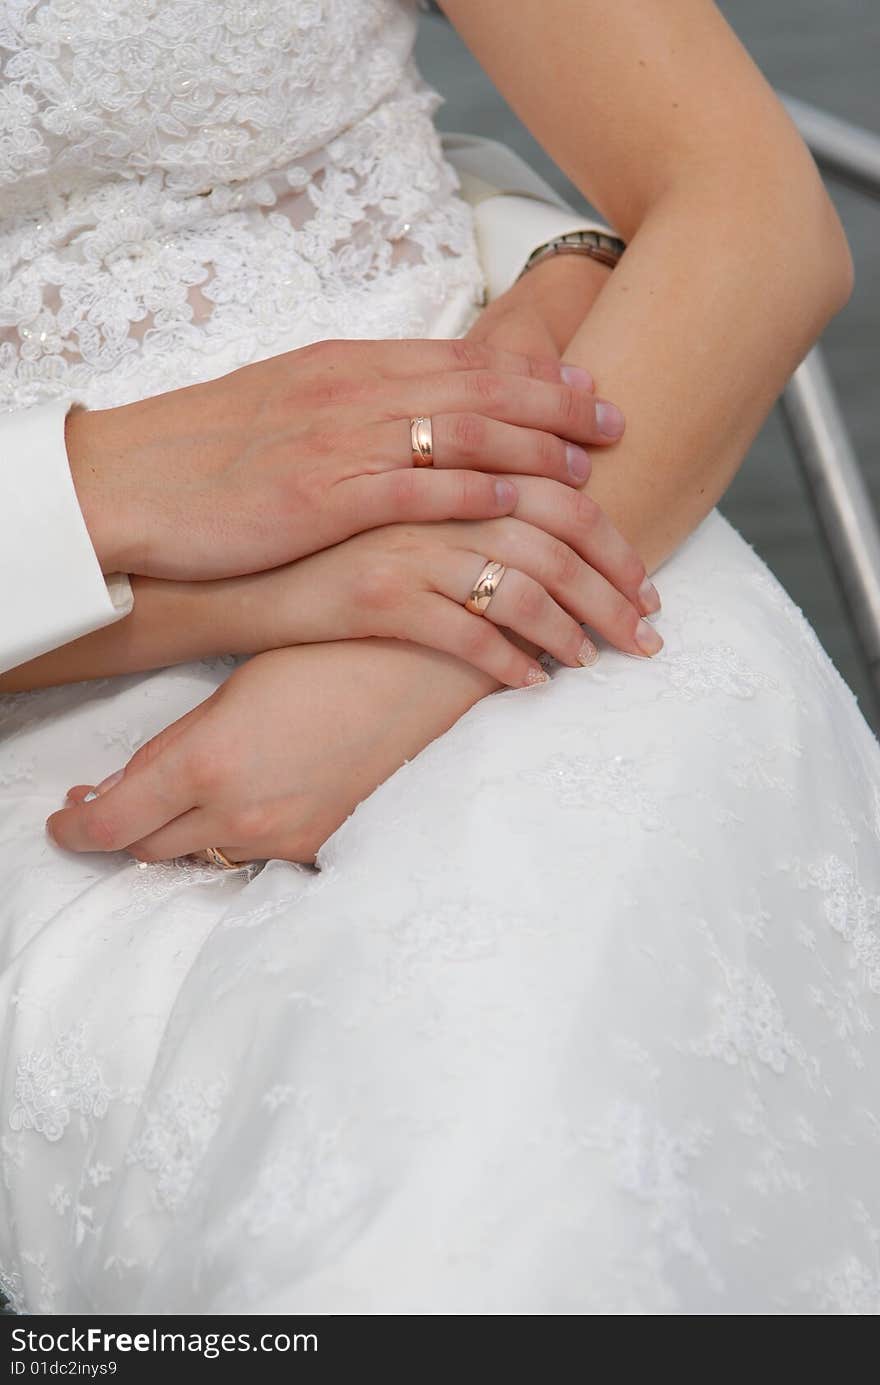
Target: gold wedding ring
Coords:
[[485, 588], [422, 441], [215, 856]]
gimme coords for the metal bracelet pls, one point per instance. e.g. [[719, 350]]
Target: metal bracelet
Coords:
[[605, 249]]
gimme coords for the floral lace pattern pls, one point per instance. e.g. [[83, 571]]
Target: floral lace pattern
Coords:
[[187, 186], [175, 1136], [50, 1086], [589, 1026]]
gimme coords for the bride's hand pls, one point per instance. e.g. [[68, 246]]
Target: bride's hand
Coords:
[[566, 565], [540, 313], [273, 761], [289, 455]]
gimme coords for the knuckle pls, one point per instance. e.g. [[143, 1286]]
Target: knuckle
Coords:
[[403, 487], [503, 532], [146, 755], [334, 379], [303, 485], [331, 388], [252, 823], [487, 387], [102, 832], [470, 355], [323, 441], [380, 586], [570, 406], [466, 492], [586, 511], [472, 493], [566, 565], [477, 639], [205, 772], [528, 601], [550, 452], [624, 616], [534, 368], [467, 435]]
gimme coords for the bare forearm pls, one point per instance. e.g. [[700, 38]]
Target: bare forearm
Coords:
[[694, 335], [171, 623], [696, 362]]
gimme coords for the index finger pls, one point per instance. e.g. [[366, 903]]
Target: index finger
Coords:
[[574, 517], [145, 799], [420, 357]]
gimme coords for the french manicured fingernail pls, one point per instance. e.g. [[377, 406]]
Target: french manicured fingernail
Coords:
[[649, 598], [576, 376], [506, 493], [536, 676], [647, 639], [587, 654], [109, 783], [609, 419], [578, 462]]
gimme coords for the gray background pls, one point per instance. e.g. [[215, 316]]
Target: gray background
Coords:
[[826, 52]]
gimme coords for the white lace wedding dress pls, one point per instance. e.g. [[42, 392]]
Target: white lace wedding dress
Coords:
[[581, 1012]]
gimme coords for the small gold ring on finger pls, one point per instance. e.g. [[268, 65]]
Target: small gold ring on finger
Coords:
[[215, 857], [485, 588], [421, 441]]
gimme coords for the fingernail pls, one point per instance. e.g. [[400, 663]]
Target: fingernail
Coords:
[[587, 654], [649, 598], [506, 493], [110, 782], [89, 797], [609, 420], [578, 462], [647, 639], [576, 376], [536, 676]]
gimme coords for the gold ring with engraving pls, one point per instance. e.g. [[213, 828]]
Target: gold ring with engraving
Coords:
[[215, 857], [485, 588], [421, 441]]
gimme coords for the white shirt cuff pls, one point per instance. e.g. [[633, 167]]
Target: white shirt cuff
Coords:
[[52, 586], [510, 226]]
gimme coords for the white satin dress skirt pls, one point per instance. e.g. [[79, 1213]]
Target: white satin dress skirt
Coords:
[[580, 1011]]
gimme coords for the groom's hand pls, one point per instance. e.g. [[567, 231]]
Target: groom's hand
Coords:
[[297, 453]]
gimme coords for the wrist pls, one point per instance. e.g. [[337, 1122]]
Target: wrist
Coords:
[[180, 621], [277, 608], [579, 276], [88, 456], [559, 292]]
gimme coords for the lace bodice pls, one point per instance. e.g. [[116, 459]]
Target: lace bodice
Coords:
[[188, 184]]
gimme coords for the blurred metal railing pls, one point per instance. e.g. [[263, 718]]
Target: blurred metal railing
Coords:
[[830, 468], [843, 151]]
